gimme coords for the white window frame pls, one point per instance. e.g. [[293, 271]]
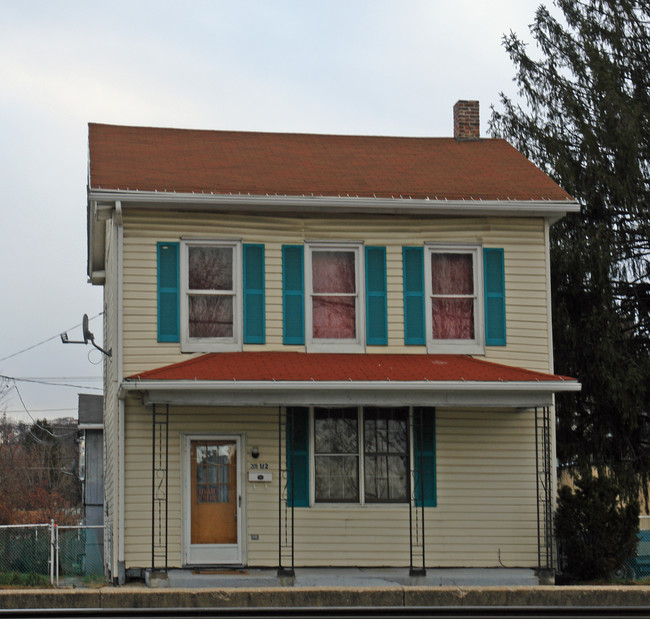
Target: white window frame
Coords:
[[336, 345], [475, 346], [361, 461], [212, 344]]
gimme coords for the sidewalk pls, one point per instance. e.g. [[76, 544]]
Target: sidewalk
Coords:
[[343, 577], [391, 596]]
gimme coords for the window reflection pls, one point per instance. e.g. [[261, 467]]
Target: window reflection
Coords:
[[213, 463]]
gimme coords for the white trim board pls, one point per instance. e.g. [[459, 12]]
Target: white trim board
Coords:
[[417, 393]]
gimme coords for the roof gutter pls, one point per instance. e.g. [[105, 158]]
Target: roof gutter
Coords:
[[397, 205], [550, 386], [273, 393]]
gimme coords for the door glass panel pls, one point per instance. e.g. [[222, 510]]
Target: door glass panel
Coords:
[[212, 473]]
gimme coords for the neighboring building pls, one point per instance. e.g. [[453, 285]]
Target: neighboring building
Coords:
[[326, 350], [91, 457], [91, 473]]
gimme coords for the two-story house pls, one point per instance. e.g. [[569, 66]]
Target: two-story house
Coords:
[[327, 350]]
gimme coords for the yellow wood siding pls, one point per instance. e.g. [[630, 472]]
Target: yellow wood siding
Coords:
[[111, 383], [486, 493], [525, 270]]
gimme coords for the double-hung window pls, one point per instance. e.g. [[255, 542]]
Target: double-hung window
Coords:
[[361, 455], [335, 305], [454, 299], [211, 295]]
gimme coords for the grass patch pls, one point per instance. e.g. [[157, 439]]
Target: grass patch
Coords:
[[19, 579]]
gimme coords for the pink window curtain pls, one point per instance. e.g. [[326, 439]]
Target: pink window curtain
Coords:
[[334, 299], [452, 303], [210, 269]]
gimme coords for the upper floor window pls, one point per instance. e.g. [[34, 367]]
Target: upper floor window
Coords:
[[454, 299], [334, 303], [211, 294]]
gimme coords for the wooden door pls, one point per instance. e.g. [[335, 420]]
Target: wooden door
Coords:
[[214, 498]]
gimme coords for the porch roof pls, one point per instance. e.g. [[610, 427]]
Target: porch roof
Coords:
[[294, 378]]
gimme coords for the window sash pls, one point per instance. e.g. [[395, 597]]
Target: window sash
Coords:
[[335, 307], [336, 455], [387, 454], [454, 308], [211, 310]]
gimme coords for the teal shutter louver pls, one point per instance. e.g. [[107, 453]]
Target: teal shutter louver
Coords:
[[376, 308], [495, 297], [254, 301], [413, 266], [298, 456], [168, 292], [293, 295], [424, 454]]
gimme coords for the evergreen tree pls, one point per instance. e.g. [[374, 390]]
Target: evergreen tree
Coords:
[[584, 118]]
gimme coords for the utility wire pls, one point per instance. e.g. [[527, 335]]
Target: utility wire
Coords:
[[58, 378], [39, 410], [44, 382], [30, 416], [35, 422], [47, 340]]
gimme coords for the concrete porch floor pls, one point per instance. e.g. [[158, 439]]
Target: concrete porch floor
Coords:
[[341, 577]]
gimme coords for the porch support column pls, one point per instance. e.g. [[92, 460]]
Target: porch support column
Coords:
[[416, 492], [159, 486], [544, 481], [285, 497]]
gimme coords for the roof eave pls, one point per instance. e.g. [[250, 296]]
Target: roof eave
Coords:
[[96, 230], [242, 202], [519, 394]]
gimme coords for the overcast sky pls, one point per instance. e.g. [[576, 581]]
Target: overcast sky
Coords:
[[375, 67]]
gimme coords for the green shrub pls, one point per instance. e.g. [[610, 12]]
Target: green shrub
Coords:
[[20, 579], [597, 534]]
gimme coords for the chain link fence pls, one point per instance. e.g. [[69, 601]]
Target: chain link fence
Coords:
[[63, 555], [79, 554], [638, 568], [26, 549]]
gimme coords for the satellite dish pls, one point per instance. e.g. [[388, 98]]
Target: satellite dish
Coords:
[[88, 336]]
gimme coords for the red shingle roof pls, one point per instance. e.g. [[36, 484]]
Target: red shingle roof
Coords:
[[224, 162], [323, 367]]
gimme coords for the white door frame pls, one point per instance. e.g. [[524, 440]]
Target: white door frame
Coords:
[[209, 554]]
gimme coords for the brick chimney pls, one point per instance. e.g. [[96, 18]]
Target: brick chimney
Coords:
[[466, 120]]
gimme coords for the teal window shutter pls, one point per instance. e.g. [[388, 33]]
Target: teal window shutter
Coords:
[[424, 454], [293, 295], [376, 312], [168, 292], [254, 312], [413, 266], [298, 456], [495, 297]]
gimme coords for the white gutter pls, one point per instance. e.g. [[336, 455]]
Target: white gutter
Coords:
[[120, 374], [335, 204], [454, 394], [547, 386]]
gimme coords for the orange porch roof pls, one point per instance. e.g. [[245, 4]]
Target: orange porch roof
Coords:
[[327, 367]]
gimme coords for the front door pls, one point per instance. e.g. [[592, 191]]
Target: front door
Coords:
[[213, 501]]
